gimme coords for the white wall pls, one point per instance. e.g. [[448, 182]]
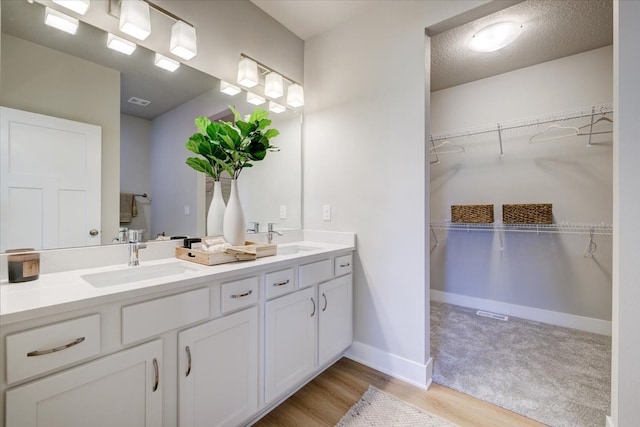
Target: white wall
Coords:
[[364, 155], [626, 271], [135, 168], [546, 271]]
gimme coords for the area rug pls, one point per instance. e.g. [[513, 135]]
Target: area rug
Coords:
[[558, 376], [377, 408]]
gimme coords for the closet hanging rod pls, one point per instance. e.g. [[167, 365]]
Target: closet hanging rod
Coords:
[[523, 123]]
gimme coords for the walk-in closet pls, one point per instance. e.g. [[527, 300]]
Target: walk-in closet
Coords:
[[521, 211]]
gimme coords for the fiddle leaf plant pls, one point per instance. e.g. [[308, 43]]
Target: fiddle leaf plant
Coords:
[[206, 144]]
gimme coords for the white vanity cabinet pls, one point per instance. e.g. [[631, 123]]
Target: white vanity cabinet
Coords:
[[123, 389], [335, 321]]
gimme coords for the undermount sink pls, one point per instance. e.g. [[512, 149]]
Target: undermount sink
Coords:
[[134, 274], [294, 249]]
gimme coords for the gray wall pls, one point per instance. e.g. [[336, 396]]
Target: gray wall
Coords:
[[546, 271]]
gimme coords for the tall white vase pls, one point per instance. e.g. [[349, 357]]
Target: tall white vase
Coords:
[[215, 216], [235, 231]]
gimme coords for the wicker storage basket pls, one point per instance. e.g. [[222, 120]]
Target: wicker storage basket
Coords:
[[476, 214], [540, 213]]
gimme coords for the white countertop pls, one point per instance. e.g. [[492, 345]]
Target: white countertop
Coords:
[[58, 292]]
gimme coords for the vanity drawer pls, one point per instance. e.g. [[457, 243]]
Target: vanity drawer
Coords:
[[239, 294], [279, 283], [49, 347], [343, 265], [149, 318], [315, 272]]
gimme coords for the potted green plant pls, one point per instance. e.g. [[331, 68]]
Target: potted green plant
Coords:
[[231, 147]]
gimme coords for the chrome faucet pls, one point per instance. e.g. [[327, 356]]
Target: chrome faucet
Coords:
[[256, 227], [270, 232], [134, 246]]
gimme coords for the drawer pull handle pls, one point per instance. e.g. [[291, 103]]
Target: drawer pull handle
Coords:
[[188, 361], [242, 295], [325, 302], [157, 374], [54, 350], [345, 265], [286, 282], [314, 307]]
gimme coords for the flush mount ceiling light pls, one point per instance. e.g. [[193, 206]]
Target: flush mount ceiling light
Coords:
[[183, 40], [247, 72], [273, 85], [228, 88], [119, 44], [495, 37], [254, 99], [166, 63], [295, 96], [59, 20], [276, 108], [78, 6], [135, 19]]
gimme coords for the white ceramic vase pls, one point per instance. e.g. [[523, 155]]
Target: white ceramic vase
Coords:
[[235, 231], [215, 216]]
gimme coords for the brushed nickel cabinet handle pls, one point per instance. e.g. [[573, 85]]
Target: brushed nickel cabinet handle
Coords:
[[56, 349], [286, 282], [157, 374], [188, 361], [242, 295], [345, 265], [314, 307], [325, 301]]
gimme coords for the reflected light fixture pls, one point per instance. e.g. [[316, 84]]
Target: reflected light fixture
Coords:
[[119, 44], [183, 40], [295, 96], [78, 6], [59, 20], [276, 108], [135, 19], [495, 37], [247, 72], [273, 85], [228, 88], [166, 63], [254, 99]]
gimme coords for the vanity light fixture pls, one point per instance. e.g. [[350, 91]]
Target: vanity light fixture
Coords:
[[78, 6], [183, 40], [119, 44], [247, 72], [273, 85], [135, 18], [495, 37], [59, 20], [274, 107], [166, 63], [295, 95], [229, 89], [254, 99]]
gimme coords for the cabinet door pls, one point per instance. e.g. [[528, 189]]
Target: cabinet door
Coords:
[[290, 341], [218, 371], [123, 389], [335, 326]]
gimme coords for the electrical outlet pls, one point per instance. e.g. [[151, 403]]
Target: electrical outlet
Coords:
[[326, 212], [283, 212]]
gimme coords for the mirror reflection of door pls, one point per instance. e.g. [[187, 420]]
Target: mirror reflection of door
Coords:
[[49, 181]]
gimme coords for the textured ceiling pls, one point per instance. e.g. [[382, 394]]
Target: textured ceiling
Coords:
[[552, 29]]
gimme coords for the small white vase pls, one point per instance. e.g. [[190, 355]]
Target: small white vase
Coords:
[[235, 231], [215, 216]]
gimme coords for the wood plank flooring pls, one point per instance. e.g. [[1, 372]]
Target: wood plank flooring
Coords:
[[329, 396]]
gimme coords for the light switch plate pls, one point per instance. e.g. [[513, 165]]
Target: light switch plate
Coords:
[[283, 212], [187, 210], [326, 212]]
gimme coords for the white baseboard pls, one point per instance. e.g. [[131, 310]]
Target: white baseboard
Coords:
[[588, 324], [610, 422], [398, 367]]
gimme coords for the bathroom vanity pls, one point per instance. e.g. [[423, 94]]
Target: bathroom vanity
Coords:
[[174, 343]]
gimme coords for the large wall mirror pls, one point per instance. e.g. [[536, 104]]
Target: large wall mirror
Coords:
[[76, 77]]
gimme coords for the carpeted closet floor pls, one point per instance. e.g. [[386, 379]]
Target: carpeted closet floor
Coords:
[[555, 375]]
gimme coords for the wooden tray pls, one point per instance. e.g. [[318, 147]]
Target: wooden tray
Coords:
[[209, 258]]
